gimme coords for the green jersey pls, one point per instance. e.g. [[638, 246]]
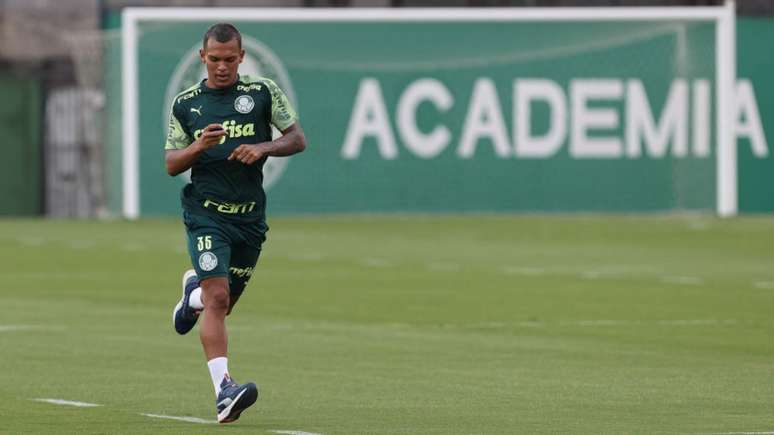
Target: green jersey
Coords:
[[247, 109]]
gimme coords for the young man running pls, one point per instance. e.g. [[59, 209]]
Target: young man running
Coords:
[[221, 130]]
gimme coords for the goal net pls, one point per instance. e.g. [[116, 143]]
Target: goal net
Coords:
[[461, 110]]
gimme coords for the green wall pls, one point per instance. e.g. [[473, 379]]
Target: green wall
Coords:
[[755, 61], [20, 167], [332, 66]]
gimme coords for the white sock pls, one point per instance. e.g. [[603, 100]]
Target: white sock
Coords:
[[218, 370], [195, 300]]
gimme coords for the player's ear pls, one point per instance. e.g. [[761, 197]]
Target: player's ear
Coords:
[[201, 55], [241, 55]]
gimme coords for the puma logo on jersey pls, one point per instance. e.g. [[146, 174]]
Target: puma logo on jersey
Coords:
[[197, 110]]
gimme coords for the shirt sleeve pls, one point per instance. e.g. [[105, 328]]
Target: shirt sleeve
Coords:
[[282, 113], [177, 138]]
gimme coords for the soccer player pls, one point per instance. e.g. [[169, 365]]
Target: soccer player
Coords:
[[221, 129]]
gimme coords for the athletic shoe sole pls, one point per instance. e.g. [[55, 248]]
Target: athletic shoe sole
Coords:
[[243, 400]]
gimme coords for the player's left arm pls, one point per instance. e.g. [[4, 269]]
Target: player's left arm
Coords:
[[285, 119]]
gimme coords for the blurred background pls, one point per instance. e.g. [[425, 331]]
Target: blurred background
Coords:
[[60, 70]]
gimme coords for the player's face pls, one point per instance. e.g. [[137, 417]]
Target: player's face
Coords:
[[222, 60]]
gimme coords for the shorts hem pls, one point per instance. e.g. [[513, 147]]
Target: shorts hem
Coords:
[[204, 276]]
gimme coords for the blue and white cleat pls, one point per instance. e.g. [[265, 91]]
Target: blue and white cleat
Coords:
[[233, 399], [184, 317]]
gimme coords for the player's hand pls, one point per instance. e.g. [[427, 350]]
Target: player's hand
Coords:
[[212, 135], [247, 153]]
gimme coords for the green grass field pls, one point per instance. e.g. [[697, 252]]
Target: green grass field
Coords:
[[401, 325]]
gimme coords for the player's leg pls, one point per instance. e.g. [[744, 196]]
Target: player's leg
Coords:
[[235, 398], [207, 243], [212, 330], [210, 246], [232, 398]]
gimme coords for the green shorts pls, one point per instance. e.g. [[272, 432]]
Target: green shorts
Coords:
[[221, 249]]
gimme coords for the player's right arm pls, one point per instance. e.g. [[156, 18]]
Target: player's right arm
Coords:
[[180, 159]]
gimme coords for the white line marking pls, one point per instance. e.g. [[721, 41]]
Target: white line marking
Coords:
[[82, 244], [186, 419], [11, 328], [309, 256], [31, 241], [764, 284], [132, 247], [528, 271], [67, 402], [595, 323], [742, 433], [294, 432], [443, 267], [696, 322], [686, 280], [14, 328], [376, 262], [591, 275]]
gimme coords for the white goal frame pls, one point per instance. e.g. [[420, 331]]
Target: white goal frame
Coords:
[[725, 63]]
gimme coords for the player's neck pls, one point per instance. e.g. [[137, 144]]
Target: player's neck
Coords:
[[208, 84]]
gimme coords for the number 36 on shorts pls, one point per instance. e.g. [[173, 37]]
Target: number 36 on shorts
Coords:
[[203, 242]]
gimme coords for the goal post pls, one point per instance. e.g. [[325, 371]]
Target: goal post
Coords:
[[429, 133], [727, 188]]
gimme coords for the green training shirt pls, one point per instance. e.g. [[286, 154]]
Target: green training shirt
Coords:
[[247, 109]]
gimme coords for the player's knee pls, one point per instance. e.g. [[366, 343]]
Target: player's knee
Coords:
[[217, 299]]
